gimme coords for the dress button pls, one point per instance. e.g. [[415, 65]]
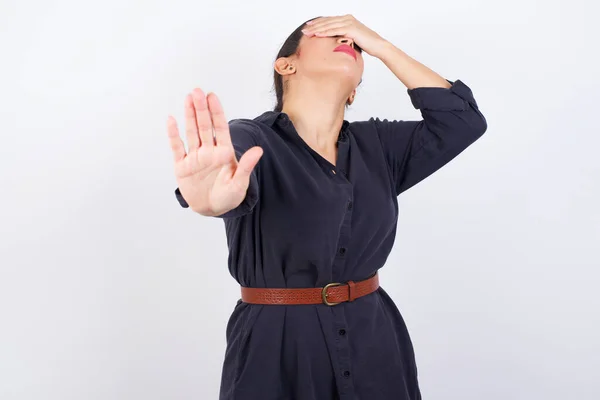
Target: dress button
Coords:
[[333, 171], [342, 332], [346, 373], [350, 205], [342, 250]]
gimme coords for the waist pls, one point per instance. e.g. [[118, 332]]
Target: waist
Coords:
[[330, 294]]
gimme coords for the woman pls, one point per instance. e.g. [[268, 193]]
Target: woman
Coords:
[[309, 226]]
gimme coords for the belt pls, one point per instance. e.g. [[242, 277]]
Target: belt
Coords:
[[331, 294]]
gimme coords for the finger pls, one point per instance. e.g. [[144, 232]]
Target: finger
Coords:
[[175, 140], [219, 122], [332, 32], [315, 27], [328, 26], [340, 25], [246, 165], [191, 130], [203, 118], [324, 20]]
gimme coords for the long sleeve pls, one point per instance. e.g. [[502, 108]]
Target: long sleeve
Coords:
[[416, 149], [244, 135]]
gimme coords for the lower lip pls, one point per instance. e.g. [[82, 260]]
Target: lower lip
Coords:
[[347, 52]]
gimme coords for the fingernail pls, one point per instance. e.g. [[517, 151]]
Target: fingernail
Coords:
[[304, 31]]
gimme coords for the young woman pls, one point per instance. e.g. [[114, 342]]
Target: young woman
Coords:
[[309, 226]]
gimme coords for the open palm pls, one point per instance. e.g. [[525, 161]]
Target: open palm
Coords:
[[210, 178]]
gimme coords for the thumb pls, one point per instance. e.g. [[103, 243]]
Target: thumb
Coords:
[[246, 165]]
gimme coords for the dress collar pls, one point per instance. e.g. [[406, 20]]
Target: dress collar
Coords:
[[270, 118]]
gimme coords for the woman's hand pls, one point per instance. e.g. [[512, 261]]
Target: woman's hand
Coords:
[[209, 177], [348, 26]]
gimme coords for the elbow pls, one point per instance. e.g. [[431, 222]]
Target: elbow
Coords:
[[482, 125], [476, 124], [478, 130]]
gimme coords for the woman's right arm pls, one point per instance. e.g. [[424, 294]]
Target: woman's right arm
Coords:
[[215, 177]]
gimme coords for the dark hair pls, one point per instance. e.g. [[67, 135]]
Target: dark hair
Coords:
[[290, 47]]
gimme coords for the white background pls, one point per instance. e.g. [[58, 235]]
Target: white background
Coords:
[[110, 290]]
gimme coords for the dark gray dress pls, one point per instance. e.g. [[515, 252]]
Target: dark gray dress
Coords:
[[305, 223]]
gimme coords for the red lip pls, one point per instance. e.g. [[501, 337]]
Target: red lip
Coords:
[[344, 48]]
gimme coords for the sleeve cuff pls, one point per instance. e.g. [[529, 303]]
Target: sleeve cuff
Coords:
[[248, 203], [180, 199], [244, 208], [456, 98]]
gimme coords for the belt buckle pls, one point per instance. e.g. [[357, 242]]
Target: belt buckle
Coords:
[[324, 293]]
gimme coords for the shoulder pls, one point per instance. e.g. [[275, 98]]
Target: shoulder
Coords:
[[365, 124], [380, 132], [382, 126], [259, 127], [246, 129], [245, 124], [370, 124], [364, 128]]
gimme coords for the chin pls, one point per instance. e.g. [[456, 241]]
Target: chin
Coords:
[[349, 70], [352, 75]]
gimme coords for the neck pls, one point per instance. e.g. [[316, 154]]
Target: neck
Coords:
[[316, 109]]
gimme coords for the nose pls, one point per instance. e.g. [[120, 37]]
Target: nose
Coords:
[[346, 40]]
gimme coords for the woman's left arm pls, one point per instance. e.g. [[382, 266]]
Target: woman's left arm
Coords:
[[451, 121], [451, 118], [411, 73]]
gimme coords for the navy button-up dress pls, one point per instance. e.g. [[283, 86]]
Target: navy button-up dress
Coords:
[[305, 223]]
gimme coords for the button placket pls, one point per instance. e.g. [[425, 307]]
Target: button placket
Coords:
[[342, 353], [342, 344]]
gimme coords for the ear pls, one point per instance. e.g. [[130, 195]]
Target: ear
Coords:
[[284, 66], [351, 98]]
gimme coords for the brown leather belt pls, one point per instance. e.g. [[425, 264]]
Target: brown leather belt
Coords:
[[331, 294]]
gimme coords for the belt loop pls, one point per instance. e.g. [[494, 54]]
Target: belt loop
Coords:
[[351, 290]]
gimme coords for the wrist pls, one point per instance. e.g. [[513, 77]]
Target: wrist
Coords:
[[383, 48]]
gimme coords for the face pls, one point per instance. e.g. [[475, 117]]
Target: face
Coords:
[[317, 57]]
